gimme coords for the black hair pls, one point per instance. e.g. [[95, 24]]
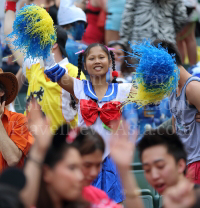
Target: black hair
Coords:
[[73, 103], [127, 66], [88, 141], [9, 197], [84, 55], [172, 49], [162, 137]]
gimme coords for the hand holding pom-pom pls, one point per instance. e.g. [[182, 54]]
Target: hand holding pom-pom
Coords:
[[49, 62]]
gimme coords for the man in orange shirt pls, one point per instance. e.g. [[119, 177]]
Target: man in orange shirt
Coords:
[[15, 138]]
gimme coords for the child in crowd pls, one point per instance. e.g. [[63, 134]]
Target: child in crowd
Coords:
[[99, 104]]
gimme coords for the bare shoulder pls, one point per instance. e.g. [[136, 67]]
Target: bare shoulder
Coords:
[[193, 93], [192, 87]]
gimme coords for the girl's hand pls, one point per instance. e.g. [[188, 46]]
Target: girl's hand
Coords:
[[39, 127], [122, 148]]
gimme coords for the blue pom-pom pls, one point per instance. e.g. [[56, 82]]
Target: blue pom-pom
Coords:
[[156, 74], [156, 66]]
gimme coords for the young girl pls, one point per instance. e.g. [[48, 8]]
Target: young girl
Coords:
[[99, 103]]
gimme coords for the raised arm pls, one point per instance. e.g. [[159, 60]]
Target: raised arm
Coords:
[[122, 150], [58, 74], [39, 126], [67, 83], [8, 23]]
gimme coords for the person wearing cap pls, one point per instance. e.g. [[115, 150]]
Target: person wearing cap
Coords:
[[55, 102], [74, 24], [15, 138]]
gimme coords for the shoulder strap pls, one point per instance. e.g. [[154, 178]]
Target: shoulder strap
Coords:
[[193, 78]]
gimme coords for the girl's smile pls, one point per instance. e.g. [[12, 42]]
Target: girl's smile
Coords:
[[97, 62]]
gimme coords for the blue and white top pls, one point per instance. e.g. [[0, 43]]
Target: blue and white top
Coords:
[[115, 92]]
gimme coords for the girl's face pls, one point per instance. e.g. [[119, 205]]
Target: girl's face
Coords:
[[91, 166], [97, 62], [65, 179], [119, 54]]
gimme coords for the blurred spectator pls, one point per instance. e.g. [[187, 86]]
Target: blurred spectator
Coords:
[[12, 181], [50, 5], [195, 70], [95, 11], [186, 40], [184, 105], [122, 61], [56, 103], [163, 158], [59, 101], [8, 64], [115, 10], [74, 23], [59, 178], [152, 19], [15, 137]]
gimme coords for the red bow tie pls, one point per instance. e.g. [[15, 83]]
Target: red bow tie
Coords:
[[90, 110]]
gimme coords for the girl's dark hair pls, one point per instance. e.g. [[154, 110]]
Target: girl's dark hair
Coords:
[[55, 153], [84, 55], [88, 141], [73, 103], [127, 66]]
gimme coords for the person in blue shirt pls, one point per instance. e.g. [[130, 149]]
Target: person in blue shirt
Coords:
[[74, 23]]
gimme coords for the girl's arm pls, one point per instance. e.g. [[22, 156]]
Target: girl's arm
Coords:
[[67, 83], [58, 74]]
